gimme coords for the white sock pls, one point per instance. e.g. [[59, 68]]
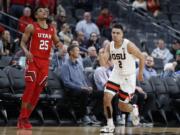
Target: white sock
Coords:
[[110, 122]]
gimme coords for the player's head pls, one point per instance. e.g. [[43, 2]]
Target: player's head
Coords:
[[117, 32], [41, 13], [73, 51]]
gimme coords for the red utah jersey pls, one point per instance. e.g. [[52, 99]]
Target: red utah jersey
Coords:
[[41, 41]]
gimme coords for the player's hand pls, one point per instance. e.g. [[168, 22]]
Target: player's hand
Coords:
[[84, 88], [145, 95], [140, 77], [88, 89], [60, 45], [29, 55]]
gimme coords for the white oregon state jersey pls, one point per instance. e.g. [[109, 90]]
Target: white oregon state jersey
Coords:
[[124, 62]]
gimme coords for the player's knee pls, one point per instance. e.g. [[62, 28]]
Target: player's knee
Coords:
[[30, 76], [123, 106], [43, 82], [107, 98]]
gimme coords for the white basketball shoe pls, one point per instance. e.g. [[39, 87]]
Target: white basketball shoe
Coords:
[[108, 129], [135, 116]]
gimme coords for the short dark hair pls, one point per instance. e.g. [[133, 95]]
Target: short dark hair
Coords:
[[118, 26], [36, 9], [71, 47]]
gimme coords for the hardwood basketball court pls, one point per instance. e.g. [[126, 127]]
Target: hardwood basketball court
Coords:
[[121, 130]]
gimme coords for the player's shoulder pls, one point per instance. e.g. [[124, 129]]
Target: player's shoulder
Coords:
[[29, 28], [52, 28], [129, 42]]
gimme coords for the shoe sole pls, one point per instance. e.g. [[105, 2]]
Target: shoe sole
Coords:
[[136, 122], [107, 131], [22, 127]]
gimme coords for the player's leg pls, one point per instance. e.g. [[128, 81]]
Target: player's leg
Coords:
[[124, 99], [110, 90], [35, 98], [40, 84], [125, 95], [108, 111], [132, 109], [30, 81]]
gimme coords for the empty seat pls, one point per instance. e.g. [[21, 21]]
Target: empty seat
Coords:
[[174, 93], [5, 95], [55, 94], [5, 61], [17, 83], [151, 106], [158, 64], [146, 86], [172, 87], [162, 96], [54, 88], [5, 90]]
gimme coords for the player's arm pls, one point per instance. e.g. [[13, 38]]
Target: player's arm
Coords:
[[104, 57], [132, 49], [56, 40], [25, 38]]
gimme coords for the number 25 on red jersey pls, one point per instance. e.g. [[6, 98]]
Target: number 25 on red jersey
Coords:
[[43, 45]]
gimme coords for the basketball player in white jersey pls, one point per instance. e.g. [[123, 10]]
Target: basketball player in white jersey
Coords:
[[122, 80]]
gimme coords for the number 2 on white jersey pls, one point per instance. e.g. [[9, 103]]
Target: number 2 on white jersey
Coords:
[[43, 44]]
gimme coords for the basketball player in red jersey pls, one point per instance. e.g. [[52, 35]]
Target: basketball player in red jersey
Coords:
[[41, 37]]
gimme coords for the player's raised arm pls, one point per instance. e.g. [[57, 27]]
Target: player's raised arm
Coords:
[[25, 38], [104, 57], [56, 40], [137, 53]]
